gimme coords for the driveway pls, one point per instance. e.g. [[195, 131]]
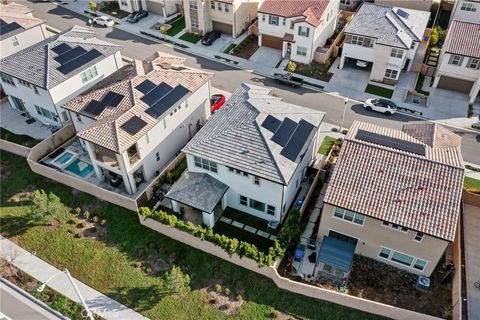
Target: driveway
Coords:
[[471, 235], [446, 104], [348, 82], [219, 45], [267, 57]]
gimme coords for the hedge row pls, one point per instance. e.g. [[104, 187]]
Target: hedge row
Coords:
[[291, 230]]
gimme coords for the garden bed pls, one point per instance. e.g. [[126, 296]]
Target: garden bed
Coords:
[[315, 70], [112, 8], [379, 91], [247, 47], [326, 145]]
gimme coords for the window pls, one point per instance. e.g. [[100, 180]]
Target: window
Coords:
[[284, 21], [412, 46], [205, 164], [301, 51], [212, 4], [194, 22], [350, 216], [455, 60], [256, 180], [157, 156], [245, 174], [24, 83], [384, 253], [79, 117], [124, 3], [473, 63], [147, 138], [391, 74], [46, 113], [395, 226], [263, 17], [18, 104], [466, 6], [303, 31], [418, 237], [396, 53], [193, 4], [164, 123], [292, 25], [219, 6], [7, 79], [346, 2], [89, 74], [402, 258], [271, 210], [35, 89], [243, 200], [14, 41], [357, 40], [273, 20], [227, 7], [257, 205], [420, 264]]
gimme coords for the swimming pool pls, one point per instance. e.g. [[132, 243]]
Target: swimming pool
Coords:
[[63, 159], [80, 168]]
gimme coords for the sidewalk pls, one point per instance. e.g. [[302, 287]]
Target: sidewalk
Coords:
[[42, 271]]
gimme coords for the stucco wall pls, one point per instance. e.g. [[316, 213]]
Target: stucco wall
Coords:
[[14, 148], [463, 15], [25, 39], [423, 5]]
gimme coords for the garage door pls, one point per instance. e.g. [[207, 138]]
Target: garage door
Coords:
[[272, 42], [455, 84], [222, 27]]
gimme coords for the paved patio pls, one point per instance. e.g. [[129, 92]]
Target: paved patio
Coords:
[[13, 121], [471, 234], [267, 57]]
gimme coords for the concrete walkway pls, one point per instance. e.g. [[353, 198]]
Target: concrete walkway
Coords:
[[471, 234], [42, 271]]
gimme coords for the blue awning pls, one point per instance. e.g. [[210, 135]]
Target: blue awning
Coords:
[[336, 253]]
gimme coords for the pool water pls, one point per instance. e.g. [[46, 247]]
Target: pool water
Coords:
[[80, 168], [64, 158]]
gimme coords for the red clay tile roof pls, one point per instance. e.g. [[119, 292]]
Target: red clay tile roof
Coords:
[[464, 39], [422, 193], [288, 37], [310, 10]]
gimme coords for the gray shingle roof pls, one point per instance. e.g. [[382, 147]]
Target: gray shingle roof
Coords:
[[198, 190], [385, 24], [36, 64], [234, 136]]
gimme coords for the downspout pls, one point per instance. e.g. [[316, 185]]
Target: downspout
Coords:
[[234, 26]]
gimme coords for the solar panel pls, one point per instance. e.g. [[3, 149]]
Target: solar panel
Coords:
[[394, 143], [8, 27], [112, 99], [61, 48], [167, 101], [80, 61], [133, 125], [271, 123], [298, 143], [156, 94], [70, 55], [95, 107], [145, 86], [284, 132]]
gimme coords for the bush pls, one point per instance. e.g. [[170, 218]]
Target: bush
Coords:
[[46, 207], [344, 131], [238, 297], [334, 129], [103, 222], [218, 288], [95, 219], [227, 291], [86, 215], [169, 177], [77, 211], [176, 281], [275, 314], [291, 66]]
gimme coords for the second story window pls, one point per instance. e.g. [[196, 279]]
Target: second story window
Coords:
[[468, 6], [303, 31], [24, 83], [205, 164], [263, 17], [194, 22], [418, 237], [7, 79], [473, 63], [350, 216], [219, 6], [227, 7], [256, 180], [292, 25], [90, 73], [193, 4], [396, 53], [455, 60], [357, 40], [212, 4], [14, 41], [273, 20], [284, 21]]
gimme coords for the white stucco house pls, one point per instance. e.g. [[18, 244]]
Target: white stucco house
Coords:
[[231, 17], [136, 121], [297, 28], [251, 156], [40, 79], [164, 8], [466, 10], [390, 39], [19, 29]]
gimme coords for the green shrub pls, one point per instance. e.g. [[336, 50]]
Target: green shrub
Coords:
[[218, 288], [176, 281], [86, 215], [334, 129], [275, 314], [95, 219], [227, 291], [291, 66], [103, 222], [46, 208], [169, 177], [77, 211], [238, 297]]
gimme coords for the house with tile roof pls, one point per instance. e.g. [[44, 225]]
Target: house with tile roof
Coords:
[[39, 79], [134, 122], [459, 63], [297, 28], [389, 39], [230, 17], [252, 155], [395, 195], [19, 29]]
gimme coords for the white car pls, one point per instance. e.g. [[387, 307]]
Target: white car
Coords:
[[104, 21], [384, 106], [362, 63]]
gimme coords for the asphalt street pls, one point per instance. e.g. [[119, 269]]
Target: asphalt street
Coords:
[[229, 78]]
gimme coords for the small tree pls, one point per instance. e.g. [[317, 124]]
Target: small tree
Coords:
[[176, 281], [291, 66], [434, 36], [45, 207]]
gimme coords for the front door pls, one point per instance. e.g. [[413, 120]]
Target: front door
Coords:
[[342, 237]]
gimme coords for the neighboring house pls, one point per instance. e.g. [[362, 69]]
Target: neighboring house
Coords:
[[19, 29], [466, 10], [423, 5], [40, 79], [297, 28], [459, 66], [231, 17], [252, 155], [135, 122], [391, 39], [350, 5], [164, 8], [396, 195]]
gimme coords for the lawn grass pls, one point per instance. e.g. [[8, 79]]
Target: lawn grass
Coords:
[[326, 145], [108, 265], [379, 91], [191, 37], [471, 183], [229, 48], [230, 231], [24, 140], [177, 26]]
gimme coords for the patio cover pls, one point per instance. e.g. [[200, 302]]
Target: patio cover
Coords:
[[198, 190], [336, 253]]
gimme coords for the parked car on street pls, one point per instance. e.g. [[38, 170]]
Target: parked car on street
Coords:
[[384, 106], [216, 102], [288, 79], [104, 21], [134, 17], [210, 37]]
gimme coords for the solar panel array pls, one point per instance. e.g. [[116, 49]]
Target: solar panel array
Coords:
[[162, 98], [390, 142], [156, 94], [8, 27], [297, 144], [145, 86], [284, 132], [271, 123], [71, 59], [111, 99], [134, 125]]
